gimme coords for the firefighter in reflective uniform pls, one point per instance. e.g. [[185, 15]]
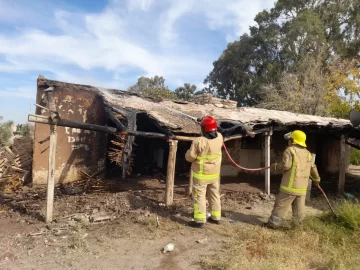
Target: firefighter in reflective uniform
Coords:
[[205, 156], [296, 166]]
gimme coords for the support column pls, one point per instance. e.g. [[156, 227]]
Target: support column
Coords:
[[308, 191], [342, 165], [267, 161], [52, 155], [169, 192]]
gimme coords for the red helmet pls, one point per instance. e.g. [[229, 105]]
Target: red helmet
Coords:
[[209, 124]]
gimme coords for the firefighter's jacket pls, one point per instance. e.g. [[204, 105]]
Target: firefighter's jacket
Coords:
[[205, 156], [297, 166]]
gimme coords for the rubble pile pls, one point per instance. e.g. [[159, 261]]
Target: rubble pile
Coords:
[[15, 164], [244, 197], [90, 184]]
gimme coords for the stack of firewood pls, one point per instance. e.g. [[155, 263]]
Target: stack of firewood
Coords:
[[116, 151], [15, 163]]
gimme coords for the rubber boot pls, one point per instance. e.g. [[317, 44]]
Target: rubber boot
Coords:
[[196, 224], [217, 222]]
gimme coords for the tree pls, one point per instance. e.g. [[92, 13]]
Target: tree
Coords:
[[26, 130], [152, 87], [242, 68], [185, 92], [282, 39], [305, 90], [5, 132], [343, 87]]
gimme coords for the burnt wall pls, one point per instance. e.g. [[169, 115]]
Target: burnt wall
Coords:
[[76, 149], [249, 152]]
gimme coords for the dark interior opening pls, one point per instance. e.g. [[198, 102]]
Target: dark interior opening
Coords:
[[150, 155]]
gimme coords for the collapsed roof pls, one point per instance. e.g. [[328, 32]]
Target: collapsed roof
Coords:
[[180, 117]]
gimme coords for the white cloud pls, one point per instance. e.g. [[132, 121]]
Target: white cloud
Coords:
[[175, 12], [144, 5], [21, 92], [233, 15], [141, 35]]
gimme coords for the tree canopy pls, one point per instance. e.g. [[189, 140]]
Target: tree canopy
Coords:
[[185, 92], [152, 87], [5, 131], [269, 65]]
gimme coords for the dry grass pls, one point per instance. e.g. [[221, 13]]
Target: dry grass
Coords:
[[321, 242]]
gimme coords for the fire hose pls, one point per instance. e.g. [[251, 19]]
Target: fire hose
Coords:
[[241, 167]]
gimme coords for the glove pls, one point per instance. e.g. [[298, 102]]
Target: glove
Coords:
[[250, 133], [273, 166]]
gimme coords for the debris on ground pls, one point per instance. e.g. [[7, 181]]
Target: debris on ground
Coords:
[[201, 240], [244, 197], [15, 164], [168, 248], [90, 184]]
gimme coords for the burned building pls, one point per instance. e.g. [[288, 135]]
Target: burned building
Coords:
[[158, 122]]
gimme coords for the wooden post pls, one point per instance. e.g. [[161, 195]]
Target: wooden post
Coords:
[[128, 147], [342, 169], [169, 192], [308, 192], [267, 162], [191, 181], [51, 170]]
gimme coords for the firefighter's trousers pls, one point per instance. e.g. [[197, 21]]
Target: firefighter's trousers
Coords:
[[202, 190], [282, 204]]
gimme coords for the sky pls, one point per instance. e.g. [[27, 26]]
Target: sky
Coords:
[[111, 43]]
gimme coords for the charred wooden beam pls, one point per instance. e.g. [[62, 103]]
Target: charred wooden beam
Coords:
[[66, 123], [131, 132], [120, 127], [147, 134], [122, 111], [352, 145], [258, 131]]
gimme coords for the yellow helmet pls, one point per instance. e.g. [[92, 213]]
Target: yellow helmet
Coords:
[[297, 137]]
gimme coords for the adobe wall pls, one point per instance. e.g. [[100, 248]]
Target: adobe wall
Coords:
[[76, 149]]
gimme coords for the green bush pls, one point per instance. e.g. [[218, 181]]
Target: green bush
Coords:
[[355, 157], [5, 132], [347, 216]]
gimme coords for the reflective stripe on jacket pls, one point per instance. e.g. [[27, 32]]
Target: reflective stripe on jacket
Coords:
[[297, 166], [205, 156]]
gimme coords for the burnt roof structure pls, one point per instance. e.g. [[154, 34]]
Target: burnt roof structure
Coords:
[[181, 117]]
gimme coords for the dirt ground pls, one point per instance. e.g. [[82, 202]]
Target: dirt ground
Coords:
[[139, 228]]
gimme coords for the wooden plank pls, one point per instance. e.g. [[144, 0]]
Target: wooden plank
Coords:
[[3, 162], [51, 169], [169, 192], [9, 155], [342, 165], [267, 162], [308, 191], [23, 161]]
